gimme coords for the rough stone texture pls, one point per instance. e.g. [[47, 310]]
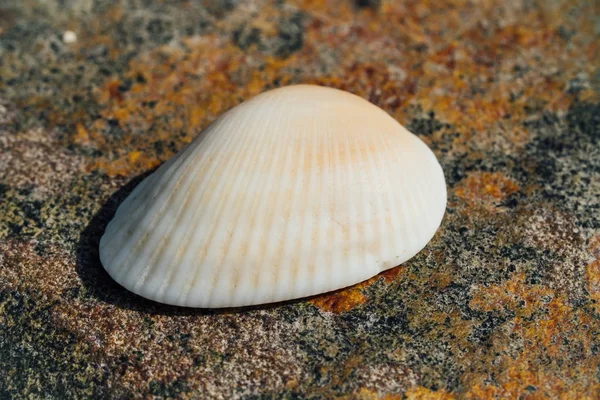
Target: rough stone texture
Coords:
[[503, 303]]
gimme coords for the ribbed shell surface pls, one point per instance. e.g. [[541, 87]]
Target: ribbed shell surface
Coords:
[[296, 192]]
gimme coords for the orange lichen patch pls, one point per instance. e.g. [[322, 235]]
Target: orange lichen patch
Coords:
[[525, 373], [391, 274], [328, 10], [113, 91], [525, 300], [81, 137], [512, 294], [421, 393], [440, 279], [367, 394], [133, 156], [486, 187], [196, 115], [348, 298], [134, 160], [340, 301], [548, 327]]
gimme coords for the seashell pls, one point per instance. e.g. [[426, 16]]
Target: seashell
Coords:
[[299, 191]]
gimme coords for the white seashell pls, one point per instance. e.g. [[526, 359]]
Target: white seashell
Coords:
[[299, 191]]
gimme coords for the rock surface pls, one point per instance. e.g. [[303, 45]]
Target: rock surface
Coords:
[[503, 303]]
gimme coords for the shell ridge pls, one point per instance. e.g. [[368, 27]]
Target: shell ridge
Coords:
[[314, 269], [217, 209], [404, 203], [379, 225], [167, 222], [354, 233], [298, 274], [210, 165], [336, 180], [372, 180], [138, 211], [182, 169], [331, 190], [427, 200], [276, 242], [203, 229], [341, 156], [288, 205], [289, 241], [158, 252], [170, 167], [438, 176], [240, 271], [416, 199], [262, 242], [161, 190], [413, 200], [320, 236], [357, 267], [308, 235], [254, 150], [390, 235]]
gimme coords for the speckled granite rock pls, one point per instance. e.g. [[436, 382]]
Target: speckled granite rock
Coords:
[[503, 303]]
